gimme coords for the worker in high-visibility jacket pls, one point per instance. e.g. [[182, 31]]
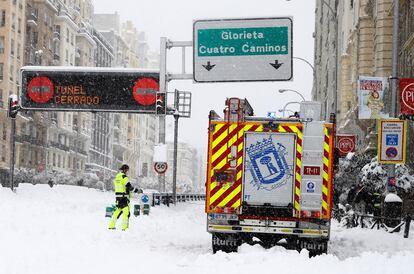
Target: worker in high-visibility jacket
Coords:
[[123, 190]]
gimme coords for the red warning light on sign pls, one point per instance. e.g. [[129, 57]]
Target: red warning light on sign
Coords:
[[145, 90], [40, 89]]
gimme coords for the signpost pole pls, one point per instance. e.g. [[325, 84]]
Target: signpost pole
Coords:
[[163, 90], [176, 116], [12, 149], [394, 78]]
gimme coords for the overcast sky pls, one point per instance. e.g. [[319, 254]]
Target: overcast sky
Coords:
[[174, 20]]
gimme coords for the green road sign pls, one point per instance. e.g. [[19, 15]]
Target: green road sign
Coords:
[[243, 41], [243, 50]]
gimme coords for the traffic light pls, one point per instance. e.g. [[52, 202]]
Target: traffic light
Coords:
[[13, 106], [160, 105], [406, 117]]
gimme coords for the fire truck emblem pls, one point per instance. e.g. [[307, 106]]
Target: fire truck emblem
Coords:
[[268, 165]]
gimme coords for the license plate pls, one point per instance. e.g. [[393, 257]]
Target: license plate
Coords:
[[226, 217]]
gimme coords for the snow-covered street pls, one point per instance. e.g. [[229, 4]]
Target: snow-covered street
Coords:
[[63, 230]]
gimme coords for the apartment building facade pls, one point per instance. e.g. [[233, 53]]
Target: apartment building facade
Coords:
[[364, 48], [12, 31]]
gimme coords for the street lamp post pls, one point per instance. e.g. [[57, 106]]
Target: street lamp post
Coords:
[[292, 90], [307, 62], [287, 104]]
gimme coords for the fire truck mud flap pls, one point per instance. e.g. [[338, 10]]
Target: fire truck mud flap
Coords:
[[314, 246], [225, 242]]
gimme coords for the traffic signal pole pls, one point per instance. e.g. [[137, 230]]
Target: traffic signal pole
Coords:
[[12, 150], [12, 114], [163, 90]]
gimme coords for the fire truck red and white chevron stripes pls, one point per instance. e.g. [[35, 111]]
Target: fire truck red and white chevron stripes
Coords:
[[327, 174]]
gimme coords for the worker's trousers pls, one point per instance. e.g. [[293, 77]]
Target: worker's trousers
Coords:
[[117, 213]]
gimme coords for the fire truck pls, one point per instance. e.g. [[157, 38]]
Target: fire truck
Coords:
[[269, 180]]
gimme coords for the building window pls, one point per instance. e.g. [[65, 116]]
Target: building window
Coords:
[[3, 153], [11, 72], [19, 25], [2, 18], [35, 38], [13, 25], [17, 76], [67, 35], [12, 47], [18, 51], [2, 44], [352, 3], [4, 132]]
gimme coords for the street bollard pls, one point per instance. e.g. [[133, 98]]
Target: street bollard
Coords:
[[362, 221], [153, 200], [407, 226], [137, 209], [146, 209]]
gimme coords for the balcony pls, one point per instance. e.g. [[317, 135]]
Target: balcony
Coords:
[[66, 16], [76, 9], [52, 4], [59, 146], [79, 150], [81, 132], [56, 36], [30, 140], [32, 20], [84, 32]]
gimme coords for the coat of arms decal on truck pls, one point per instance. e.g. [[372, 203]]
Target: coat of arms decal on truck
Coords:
[[267, 164]]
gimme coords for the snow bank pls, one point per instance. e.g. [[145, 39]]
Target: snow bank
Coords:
[[63, 230], [392, 198]]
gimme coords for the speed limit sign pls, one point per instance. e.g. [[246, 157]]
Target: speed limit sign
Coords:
[[160, 167]]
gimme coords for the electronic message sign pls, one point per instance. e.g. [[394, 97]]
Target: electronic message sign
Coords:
[[90, 89]]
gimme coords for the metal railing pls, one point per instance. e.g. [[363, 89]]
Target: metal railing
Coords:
[[168, 198], [380, 222]]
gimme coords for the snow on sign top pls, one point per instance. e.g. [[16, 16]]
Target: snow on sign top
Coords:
[[235, 50]]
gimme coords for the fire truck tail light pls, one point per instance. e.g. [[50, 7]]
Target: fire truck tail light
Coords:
[[310, 214], [228, 210], [316, 214]]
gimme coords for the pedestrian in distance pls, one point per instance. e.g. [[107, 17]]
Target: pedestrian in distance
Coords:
[[123, 191]]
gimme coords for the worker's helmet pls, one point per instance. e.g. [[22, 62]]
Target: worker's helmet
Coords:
[[124, 167]]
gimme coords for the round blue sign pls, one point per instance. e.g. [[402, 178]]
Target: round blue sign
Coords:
[[310, 187], [391, 152], [145, 198]]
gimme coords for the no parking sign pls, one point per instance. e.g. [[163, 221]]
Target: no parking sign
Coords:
[[392, 141]]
